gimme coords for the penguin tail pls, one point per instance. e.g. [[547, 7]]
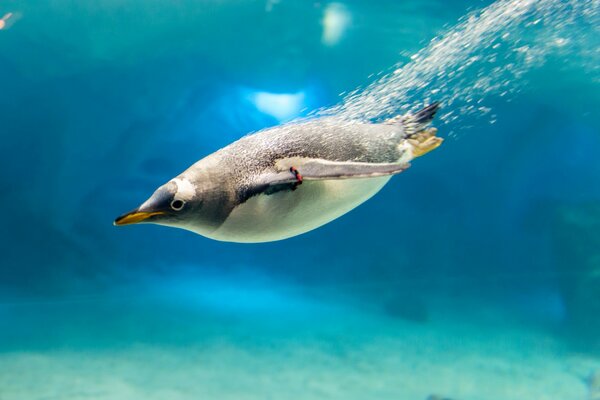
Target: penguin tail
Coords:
[[415, 123], [425, 115], [418, 133], [419, 121]]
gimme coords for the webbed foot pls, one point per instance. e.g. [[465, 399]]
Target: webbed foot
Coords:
[[424, 141]]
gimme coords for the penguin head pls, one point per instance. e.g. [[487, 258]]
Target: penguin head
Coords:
[[172, 204]]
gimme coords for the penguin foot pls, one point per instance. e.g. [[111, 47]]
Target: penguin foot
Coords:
[[298, 176], [424, 141]]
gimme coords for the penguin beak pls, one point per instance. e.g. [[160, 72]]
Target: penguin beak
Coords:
[[135, 217], [157, 204]]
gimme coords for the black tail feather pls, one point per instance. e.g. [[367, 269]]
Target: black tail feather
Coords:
[[414, 123], [425, 115]]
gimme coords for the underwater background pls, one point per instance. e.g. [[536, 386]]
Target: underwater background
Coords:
[[473, 275]]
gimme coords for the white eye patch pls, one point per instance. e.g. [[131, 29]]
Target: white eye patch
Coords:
[[185, 190]]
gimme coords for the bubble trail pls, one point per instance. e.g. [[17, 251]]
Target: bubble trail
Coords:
[[487, 53]]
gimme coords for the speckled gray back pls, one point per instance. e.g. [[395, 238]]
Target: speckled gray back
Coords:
[[328, 138]]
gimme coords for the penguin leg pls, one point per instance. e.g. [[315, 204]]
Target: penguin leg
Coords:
[[424, 141]]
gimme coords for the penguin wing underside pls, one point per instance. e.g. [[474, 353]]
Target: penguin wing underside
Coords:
[[323, 169]]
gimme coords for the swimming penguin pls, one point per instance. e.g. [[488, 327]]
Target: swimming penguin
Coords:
[[288, 180]]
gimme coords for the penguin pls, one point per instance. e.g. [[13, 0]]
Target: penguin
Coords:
[[284, 181]]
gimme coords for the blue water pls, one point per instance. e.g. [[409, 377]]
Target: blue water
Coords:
[[474, 275]]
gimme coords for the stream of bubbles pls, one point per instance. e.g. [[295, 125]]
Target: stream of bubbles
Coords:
[[488, 53]]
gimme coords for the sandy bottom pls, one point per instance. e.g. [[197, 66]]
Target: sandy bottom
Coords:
[[271, 345]]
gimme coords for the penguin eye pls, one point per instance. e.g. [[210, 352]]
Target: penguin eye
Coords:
[[177, 205]]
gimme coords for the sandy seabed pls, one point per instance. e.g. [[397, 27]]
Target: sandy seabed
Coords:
[[299, 351]]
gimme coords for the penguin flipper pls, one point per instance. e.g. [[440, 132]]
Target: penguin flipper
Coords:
[[322, 169], [290, 178], [313, 170]]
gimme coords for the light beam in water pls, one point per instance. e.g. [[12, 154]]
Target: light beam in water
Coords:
[[6, 20], [336, 19], [283, 106]]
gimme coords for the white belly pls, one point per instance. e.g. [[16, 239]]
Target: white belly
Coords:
[[281, 215]]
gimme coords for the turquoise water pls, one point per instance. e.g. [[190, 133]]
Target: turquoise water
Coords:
[[474, 275]]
